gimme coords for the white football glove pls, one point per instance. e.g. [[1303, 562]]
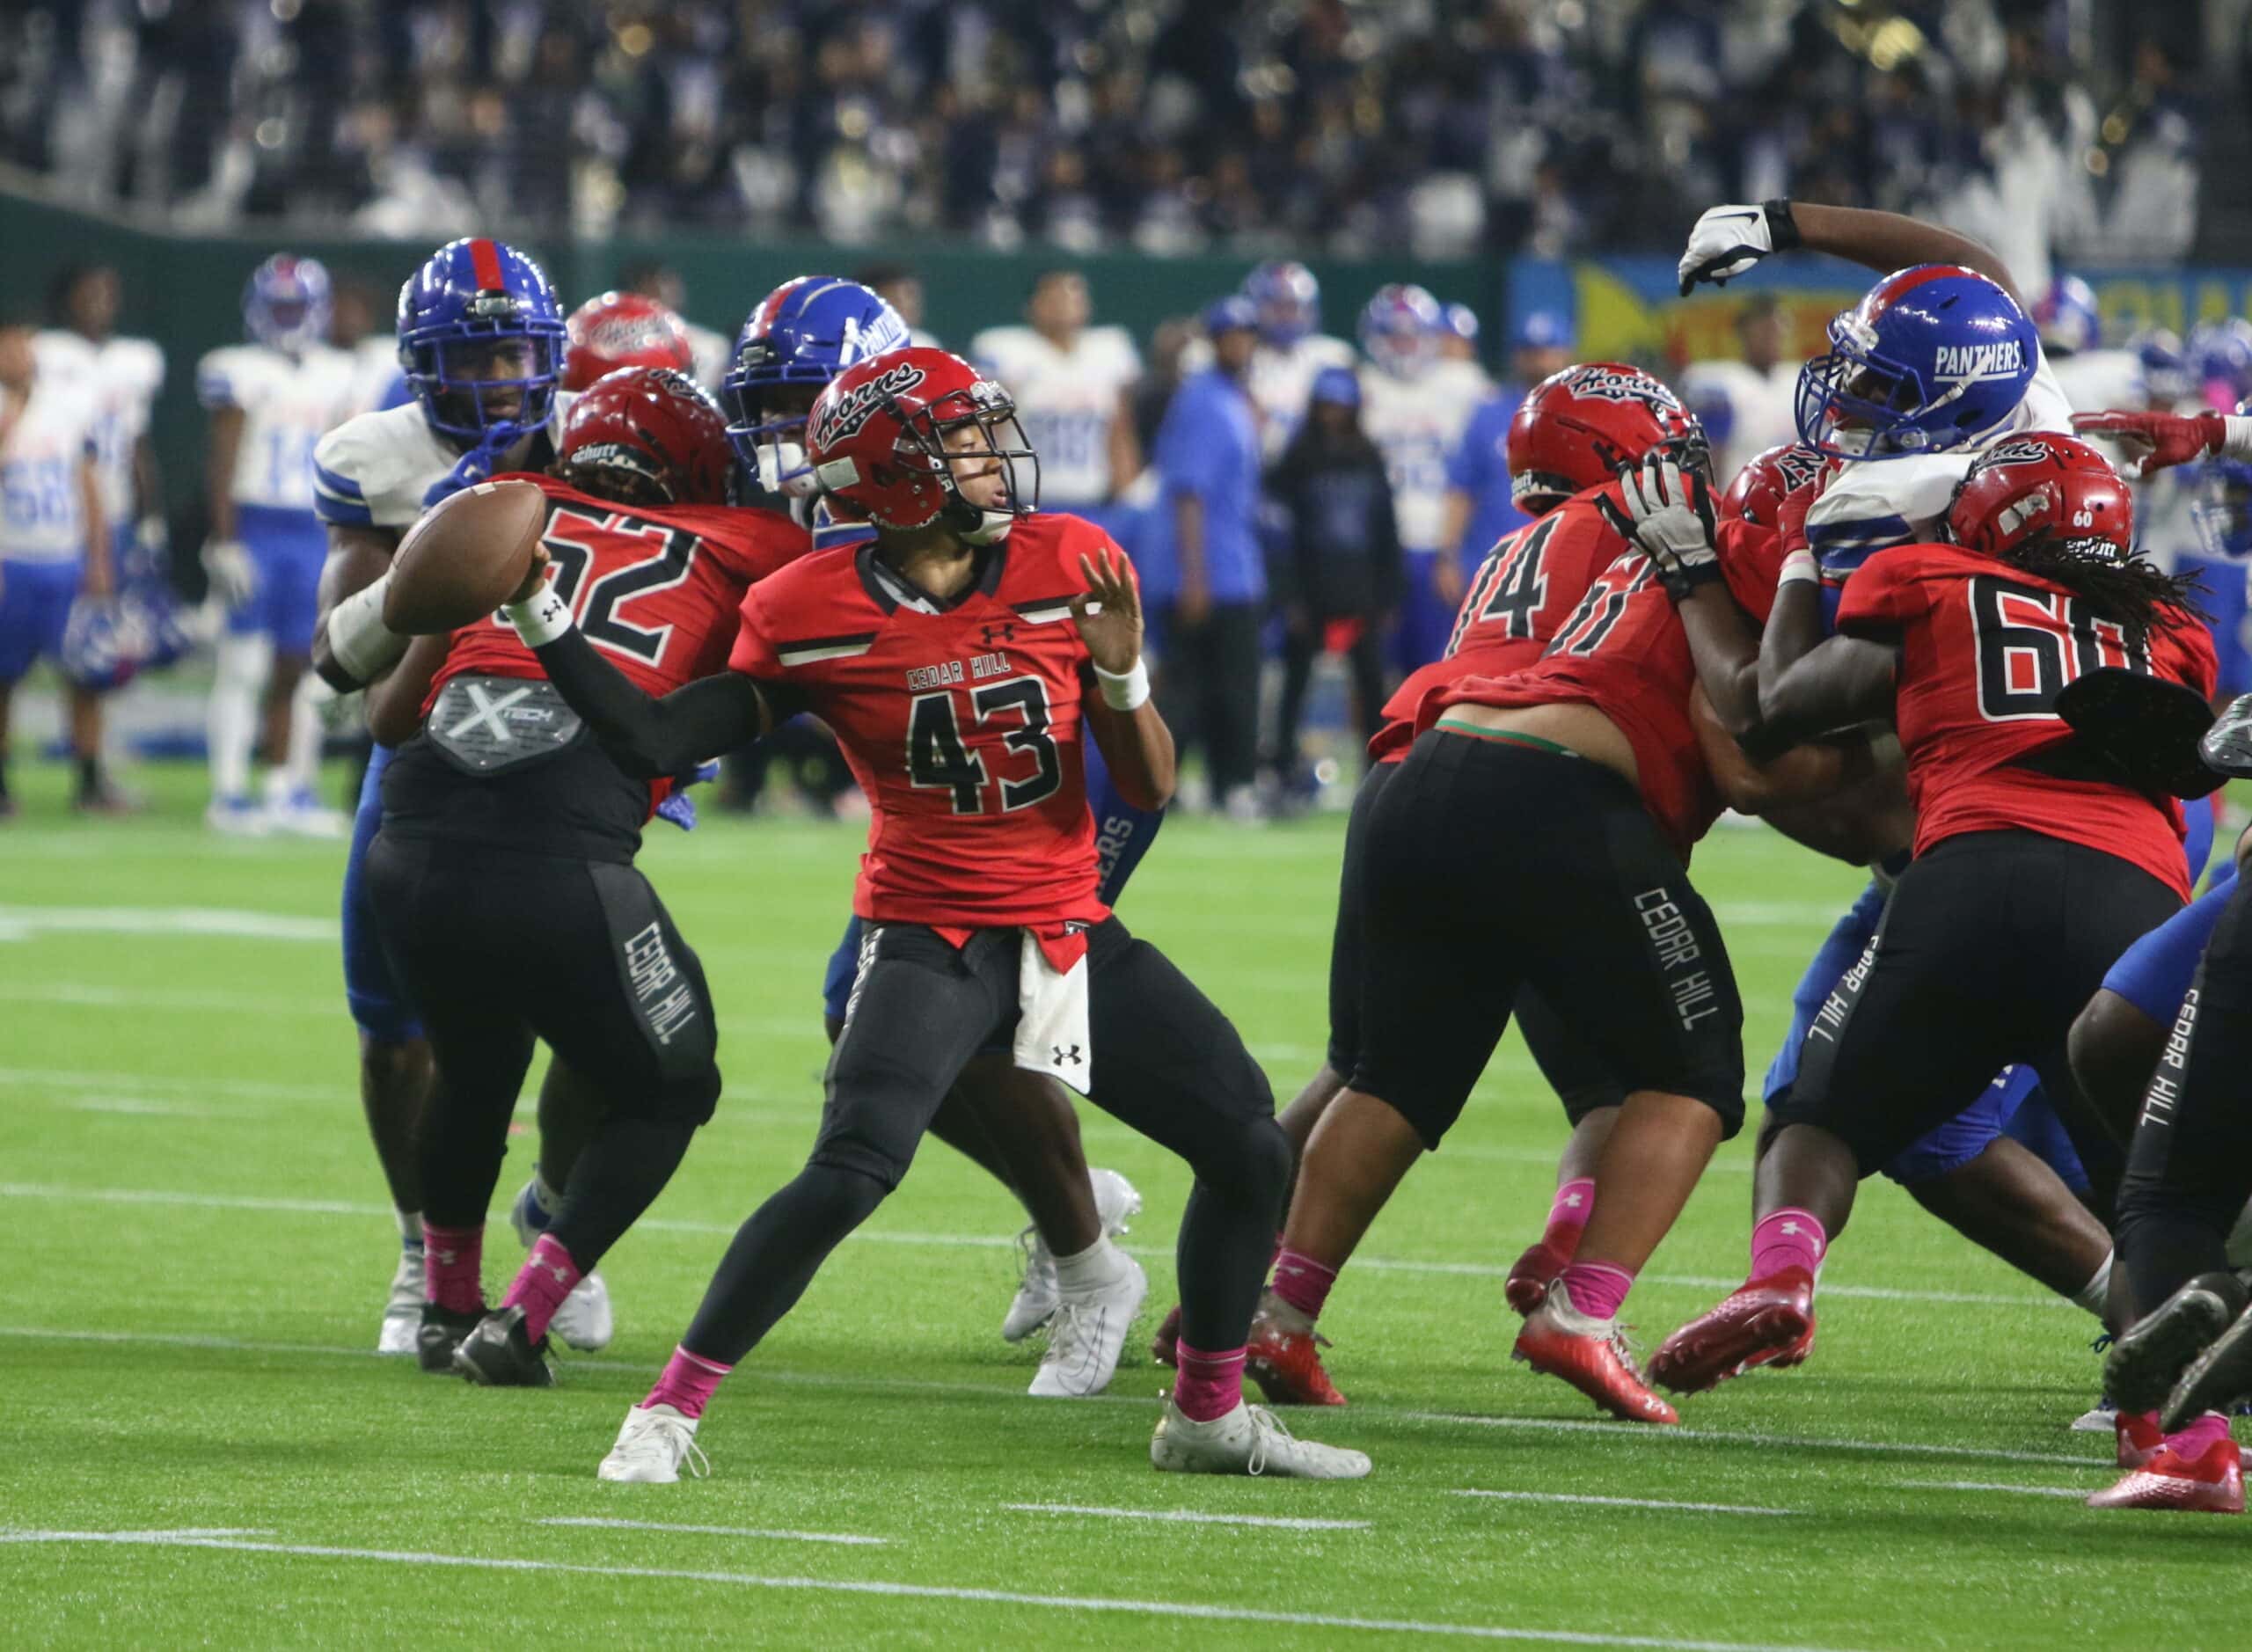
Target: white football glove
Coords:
[[233, 576], [1669, 516], [1728, 240]]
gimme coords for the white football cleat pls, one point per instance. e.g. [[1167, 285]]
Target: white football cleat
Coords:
[[2100, 1419], [584, 1321], [237, 816], [298, 811], [1248, 1440], [1086, 1335], [403, 1310], [1116, 1202], [652, 1446]]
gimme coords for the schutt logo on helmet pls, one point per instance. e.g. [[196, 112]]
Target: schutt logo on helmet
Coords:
[[845, 416]]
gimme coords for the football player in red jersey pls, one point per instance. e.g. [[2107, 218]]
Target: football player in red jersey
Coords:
[[614, 329], [1583, 776], [1570, 435], [961, 656], [2029, 840], [503, 877]]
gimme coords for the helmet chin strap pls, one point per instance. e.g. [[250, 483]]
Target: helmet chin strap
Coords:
[[976, 525]]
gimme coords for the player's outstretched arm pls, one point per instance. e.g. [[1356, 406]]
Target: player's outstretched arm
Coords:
[[649, 738], [393, 708], [1123, 719], [1797, 776], [1726, 241], [352, 646]]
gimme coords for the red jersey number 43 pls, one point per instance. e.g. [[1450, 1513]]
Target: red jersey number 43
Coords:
[[939, 757]]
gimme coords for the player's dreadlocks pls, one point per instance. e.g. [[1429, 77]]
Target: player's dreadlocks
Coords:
[[2132, 595]]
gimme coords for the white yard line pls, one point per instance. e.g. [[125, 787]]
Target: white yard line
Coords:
[[1193, 1611], [2078, 1494], [1189, 1516], [1639, 1434], [1731, 1437], [711, 1531], [23, 923], [980, 1241], [1622, 1502]]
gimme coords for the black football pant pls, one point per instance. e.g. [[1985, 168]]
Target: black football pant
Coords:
[[2189, 1166], [497, 948], [1163, 1059], [1573, 1067]]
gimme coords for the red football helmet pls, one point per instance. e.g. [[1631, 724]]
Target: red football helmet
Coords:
[[2040, 486], [656, 424], [877, 440], [615, 330], [1768, 479], [1575, 429]]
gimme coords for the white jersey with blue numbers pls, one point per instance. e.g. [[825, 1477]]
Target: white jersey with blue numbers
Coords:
[[1417, 423], [1872, 504], [1068, 400], [288, 403], [121, 378], [373, 470], [43, 509]]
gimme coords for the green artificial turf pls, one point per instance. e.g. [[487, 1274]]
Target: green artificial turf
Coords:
[[195, 1245]]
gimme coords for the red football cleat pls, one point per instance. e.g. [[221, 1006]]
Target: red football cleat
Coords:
[[2140, 1437], [1531, 1274], [1766, 1322], [1287, 1365], [2214, 1484], [1168, 1338], [1589, 1354]]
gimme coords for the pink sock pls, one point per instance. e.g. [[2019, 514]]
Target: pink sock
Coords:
[[1597, 1288], [452, 1259], [1207, 1385], [2195, 1441], [1788, 1238], [1303, 1282], [1568, 1216], [688, 1383], [541, 1284]]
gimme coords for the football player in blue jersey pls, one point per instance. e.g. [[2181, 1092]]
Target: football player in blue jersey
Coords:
[[1936, 362], [480, 345], [798, 338]]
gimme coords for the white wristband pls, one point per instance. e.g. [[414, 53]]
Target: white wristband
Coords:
[[2236, 439], [1797, 566], [358, 640], [1124, 692], [541, 620]]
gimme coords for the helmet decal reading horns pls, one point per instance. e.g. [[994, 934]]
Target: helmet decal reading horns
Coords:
[[845, 414]]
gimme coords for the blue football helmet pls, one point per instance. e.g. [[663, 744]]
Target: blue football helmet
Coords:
[[480, 340], [802, 334], [286, 304], [99, 650], [2223, 510], [1289, 300], [2221, 358], [1462, 321], [2066, 315], [1399, 328], [1338, 385], [1934, 358], [2168, 381]]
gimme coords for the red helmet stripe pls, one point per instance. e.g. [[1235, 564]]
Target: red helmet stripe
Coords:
[[485, 266], [1898, 285], [775, 300]]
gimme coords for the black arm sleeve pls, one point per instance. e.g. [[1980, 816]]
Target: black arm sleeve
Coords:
[[651, 738]]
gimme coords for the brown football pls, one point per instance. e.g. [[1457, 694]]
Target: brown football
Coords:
[[463, 558]]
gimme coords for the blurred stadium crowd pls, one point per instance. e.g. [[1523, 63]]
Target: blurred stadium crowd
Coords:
[[1451, 127]]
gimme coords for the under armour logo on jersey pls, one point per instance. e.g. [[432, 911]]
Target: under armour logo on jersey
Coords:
[[997, 634], [1061, 1057]]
